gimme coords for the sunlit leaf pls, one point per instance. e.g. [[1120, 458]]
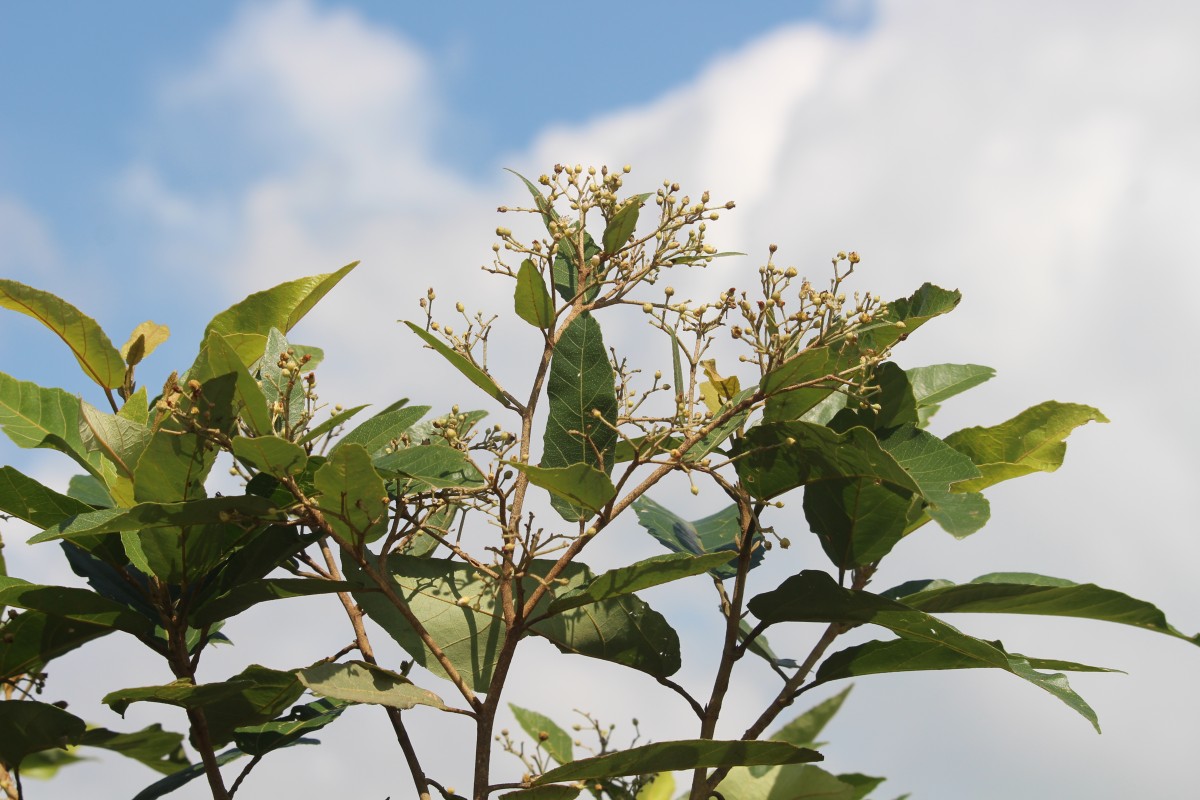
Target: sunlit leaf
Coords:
[[545, 733], [144, 340], [533, 303], [678, 755], [360, 682], [88, 342], [246, 324]]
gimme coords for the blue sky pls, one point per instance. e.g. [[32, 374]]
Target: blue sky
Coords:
[[161, 162]]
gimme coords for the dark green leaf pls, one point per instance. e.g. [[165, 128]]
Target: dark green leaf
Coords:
[[550, 792], [906, 655], [678, 755], [814, 596], [1026, 593], [360, 682], [30, 640], [253, 696], [777, 457], [161, 751], [246, 324], [76, 604], [88, 490], [88, 342], [863, 784], [566, 267], [857, 520], [761, 647], [582, 404], [384, 428], [583, 486], [352, 495], [258, 740], [27, 726], [271, 454], [534, 304], [184, 776], [458, 607], [473, 373], [431, 466], [715, 533], [545, 733], [640, 575], [1032, 441], [251, 594], [234, 509]]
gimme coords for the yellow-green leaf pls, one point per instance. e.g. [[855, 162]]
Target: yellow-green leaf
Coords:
[[143, 341], [90, 344]]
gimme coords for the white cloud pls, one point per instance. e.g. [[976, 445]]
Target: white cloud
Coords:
[[28, 244], [1039, 157]]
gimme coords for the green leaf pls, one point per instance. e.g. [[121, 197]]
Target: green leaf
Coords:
[[431, 466], [1030, 442], [251, 594], [894, 396], [88, 342], [338, 418], [458, 607], [182, 693], [144, 340], [27, 727], [640, 575], [1026, 593], [253, 696], [120, 440], [360, 682], [543, 205], [26, 499], [939, 471], [715, 533], [761, 647], [550, 792], [283, 389], [814, 596], [621, 226], [246, 324], [473, 373], [804, 729], [534, 304], [906, 655], [258, 740], [789, 782], [841, 357], [774, 458], [239, 508], [161, 751], [863, 784], [565, 269], [582, 404], [218, 359], [33, 416], [583, 486], [545, 733], [136, 407], [384, 428], [32, 639], [271, 454], [352, 495], [184, 776], [939, 382], [88, 490], [678, 755], [75, 604], [857, 520]]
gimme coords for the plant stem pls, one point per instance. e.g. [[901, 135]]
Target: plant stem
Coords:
[[368, 653], [729, 650]]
